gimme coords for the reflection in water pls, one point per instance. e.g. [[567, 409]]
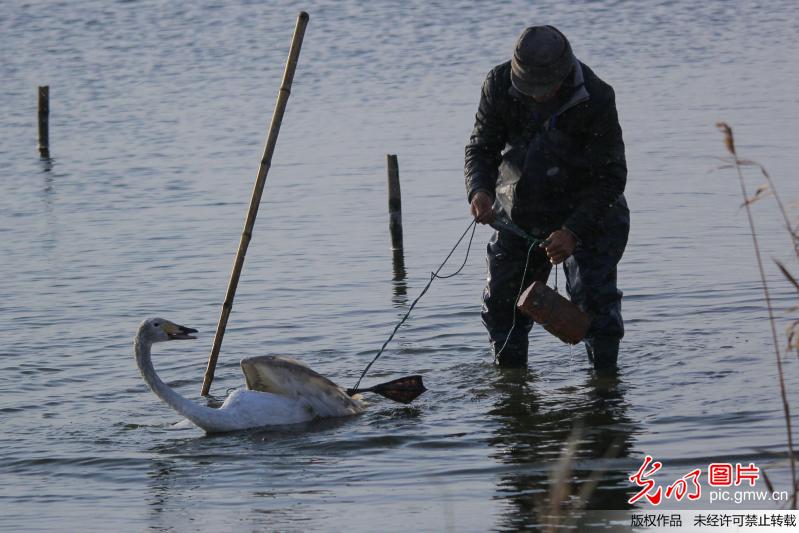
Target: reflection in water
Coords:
[[161, 475], [533, 431], [49, 240], [400, 285], [169, 478], [265, 467], [46, 163]]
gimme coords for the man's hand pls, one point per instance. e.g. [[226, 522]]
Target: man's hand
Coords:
[[559, 246], [482, 207]]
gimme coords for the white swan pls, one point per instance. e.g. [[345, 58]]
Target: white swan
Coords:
[[280, 390]]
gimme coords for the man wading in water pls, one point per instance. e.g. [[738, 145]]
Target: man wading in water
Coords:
[[547, 152]]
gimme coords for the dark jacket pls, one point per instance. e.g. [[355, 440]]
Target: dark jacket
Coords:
[[569, 165]]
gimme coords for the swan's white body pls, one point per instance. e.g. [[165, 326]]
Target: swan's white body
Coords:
[[286, 392]]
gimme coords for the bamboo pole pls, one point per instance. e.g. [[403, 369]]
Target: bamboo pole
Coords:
[[394, 202], [266, 163], [44, 120]]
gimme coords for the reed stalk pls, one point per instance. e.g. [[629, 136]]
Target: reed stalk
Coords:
[[729, 142], [565, 503]]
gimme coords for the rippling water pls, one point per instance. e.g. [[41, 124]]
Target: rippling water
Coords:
[[158, 116]]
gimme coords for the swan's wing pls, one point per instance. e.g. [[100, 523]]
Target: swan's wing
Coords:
[[281, 375], [286, 377]]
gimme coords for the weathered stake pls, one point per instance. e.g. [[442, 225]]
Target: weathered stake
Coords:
[[394, 202], [266, 162], [44, 119]]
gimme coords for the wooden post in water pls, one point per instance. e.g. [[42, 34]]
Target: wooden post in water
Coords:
[[44, 119], [260, 181], [394, 202]]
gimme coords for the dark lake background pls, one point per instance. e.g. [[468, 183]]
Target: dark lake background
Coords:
[[159, 111]]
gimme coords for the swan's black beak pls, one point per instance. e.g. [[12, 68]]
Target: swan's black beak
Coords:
[[176, 332]]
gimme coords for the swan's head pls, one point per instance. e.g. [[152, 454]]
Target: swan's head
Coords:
[[159, 330]]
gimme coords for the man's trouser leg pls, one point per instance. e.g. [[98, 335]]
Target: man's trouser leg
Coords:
[[591, 284], [506, 259]]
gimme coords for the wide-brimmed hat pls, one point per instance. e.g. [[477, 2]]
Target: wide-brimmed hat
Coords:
[[541, 61]]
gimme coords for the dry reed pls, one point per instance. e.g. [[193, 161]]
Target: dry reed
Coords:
[[793, 230], [565, 502]]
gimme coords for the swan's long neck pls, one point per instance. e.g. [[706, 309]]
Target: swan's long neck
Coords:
[[207, 418]]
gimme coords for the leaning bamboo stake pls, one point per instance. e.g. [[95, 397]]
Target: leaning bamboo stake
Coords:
[[266, 162]]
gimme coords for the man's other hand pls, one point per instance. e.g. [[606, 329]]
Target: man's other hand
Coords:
[[559, 246], [482, 207]]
